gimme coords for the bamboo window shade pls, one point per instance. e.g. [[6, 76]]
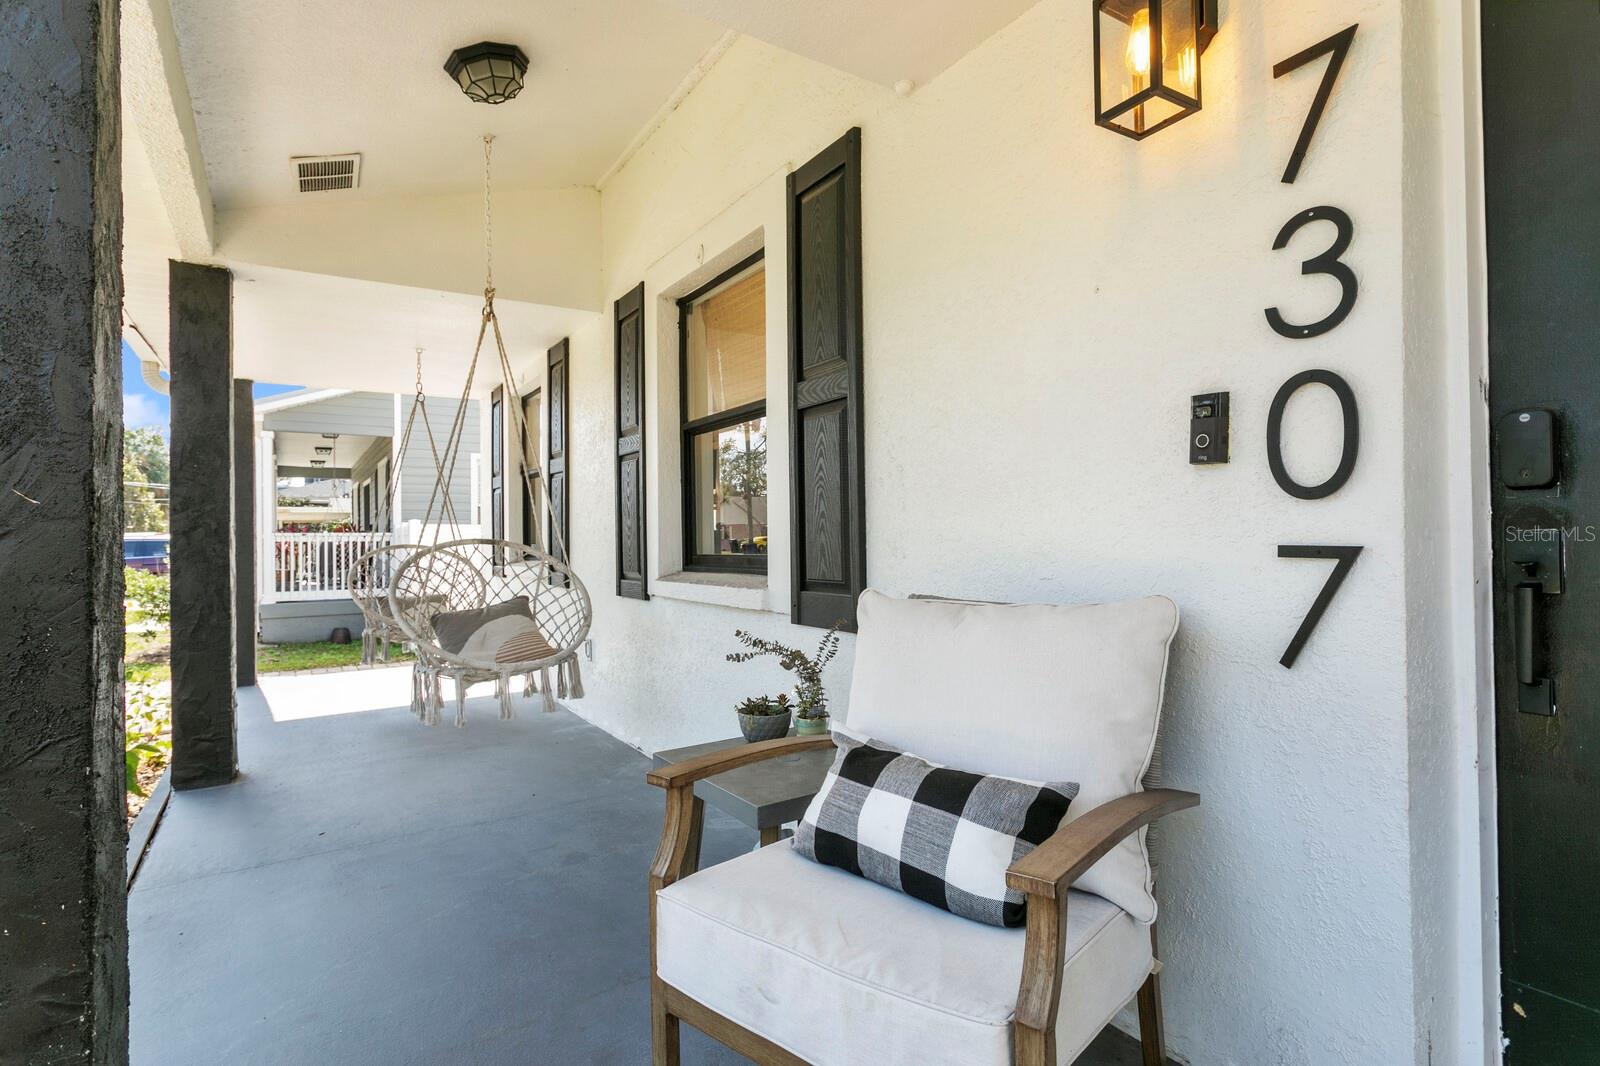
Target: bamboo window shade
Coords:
[[726, 337]]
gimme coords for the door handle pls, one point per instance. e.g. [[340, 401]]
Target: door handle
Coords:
[[1527, 632], [1535, 569]]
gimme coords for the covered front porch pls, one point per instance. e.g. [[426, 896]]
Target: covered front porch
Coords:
[[966, 310], [370, 892]]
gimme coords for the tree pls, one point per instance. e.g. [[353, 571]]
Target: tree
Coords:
[[742, 471], [146, 473]]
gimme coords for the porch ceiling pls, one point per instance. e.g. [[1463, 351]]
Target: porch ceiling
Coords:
[[305, 77], [293, 328], [300, 449], [884, 42]]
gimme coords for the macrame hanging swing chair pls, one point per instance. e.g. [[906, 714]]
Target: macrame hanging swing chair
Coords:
[[479, 609]]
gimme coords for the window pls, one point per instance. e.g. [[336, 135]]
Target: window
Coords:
[[722, 340]]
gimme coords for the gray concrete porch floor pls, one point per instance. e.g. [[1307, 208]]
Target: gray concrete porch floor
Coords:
[[371, 891]]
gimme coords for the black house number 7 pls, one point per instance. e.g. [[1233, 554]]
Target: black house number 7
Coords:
[[1344, 557]]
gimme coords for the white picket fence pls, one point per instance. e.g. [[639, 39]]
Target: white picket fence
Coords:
[[316, 566]]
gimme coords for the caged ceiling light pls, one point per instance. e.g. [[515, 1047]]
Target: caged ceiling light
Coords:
[[1147, 62], [488, 72]]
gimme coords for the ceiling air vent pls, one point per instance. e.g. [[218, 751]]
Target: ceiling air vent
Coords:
[[327, 173]]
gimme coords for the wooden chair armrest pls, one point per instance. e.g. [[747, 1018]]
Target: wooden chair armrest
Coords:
[[1045, 874], [1051, 868], [709, 765]]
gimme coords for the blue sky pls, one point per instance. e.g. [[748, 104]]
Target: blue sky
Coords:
[[144, 407]]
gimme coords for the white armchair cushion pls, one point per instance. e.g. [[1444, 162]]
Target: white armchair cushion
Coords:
[[838, 970], [1031, 691]]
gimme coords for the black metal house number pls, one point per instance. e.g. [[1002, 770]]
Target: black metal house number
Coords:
[[1330, 263]]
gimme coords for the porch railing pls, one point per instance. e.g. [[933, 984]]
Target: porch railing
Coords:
[[316, 566]]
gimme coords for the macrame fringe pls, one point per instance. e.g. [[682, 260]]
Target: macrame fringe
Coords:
[[502, 689], [574, 678], [549, 694], [461, 699]]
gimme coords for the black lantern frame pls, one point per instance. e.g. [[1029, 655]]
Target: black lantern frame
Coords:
[[1127, 116], [488, 72]]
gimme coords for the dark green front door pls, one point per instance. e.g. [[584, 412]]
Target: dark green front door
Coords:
[[1541, 67]]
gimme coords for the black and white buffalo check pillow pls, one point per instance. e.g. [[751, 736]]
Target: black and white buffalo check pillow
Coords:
[[943, 836]]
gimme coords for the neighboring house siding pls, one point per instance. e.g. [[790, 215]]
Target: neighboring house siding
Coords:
[[369, 462], [418, 473], [368, 466], [366, 414]]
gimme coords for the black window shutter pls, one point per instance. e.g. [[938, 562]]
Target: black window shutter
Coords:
[[827, 488], [556, 448], [497, 465], [631, 553]]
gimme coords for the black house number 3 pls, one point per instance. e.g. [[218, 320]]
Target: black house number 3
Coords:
[[1331, 264]]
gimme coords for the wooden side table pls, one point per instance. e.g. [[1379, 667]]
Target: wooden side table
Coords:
[[763, 796]]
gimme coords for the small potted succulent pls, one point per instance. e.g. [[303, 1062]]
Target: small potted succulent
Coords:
[[765, 717], [811, 699]]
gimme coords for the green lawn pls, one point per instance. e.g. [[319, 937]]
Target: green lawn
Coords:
[[145, 655], [276, 658]]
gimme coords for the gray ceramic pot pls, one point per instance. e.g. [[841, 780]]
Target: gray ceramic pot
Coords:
[[764, 726]]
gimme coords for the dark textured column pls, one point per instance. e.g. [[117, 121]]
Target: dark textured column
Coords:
[[244, 531], [63, 842], [204, 752]]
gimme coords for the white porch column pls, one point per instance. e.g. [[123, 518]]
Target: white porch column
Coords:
[[266, 514], [397, 511]]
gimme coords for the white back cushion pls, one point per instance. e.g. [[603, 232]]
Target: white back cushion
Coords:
[[1032, 691]]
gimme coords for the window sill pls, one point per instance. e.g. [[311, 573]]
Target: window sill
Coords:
[[747, 592]]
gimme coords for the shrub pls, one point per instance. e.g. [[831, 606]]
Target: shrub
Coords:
[[147, 717], [150, 594]]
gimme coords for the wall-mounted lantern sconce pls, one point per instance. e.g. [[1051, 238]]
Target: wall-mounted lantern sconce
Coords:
[[1147, 62]]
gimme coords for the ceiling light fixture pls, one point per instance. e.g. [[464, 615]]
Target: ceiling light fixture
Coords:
[[488, 72]]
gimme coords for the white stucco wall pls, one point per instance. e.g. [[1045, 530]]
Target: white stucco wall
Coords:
[[1041, 299]]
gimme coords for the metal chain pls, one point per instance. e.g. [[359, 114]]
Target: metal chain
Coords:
[[419, 371], [488, 217]]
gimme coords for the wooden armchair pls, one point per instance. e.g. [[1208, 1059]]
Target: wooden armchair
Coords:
[[1044, 875], [789, 961]]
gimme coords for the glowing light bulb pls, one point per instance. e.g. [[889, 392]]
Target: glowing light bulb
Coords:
[[1188, 69], [1139, 44]]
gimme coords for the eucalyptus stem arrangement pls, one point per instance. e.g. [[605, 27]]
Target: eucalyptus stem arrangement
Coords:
[[811, 700]]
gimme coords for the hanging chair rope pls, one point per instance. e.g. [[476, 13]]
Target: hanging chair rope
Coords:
[[458, 575]]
